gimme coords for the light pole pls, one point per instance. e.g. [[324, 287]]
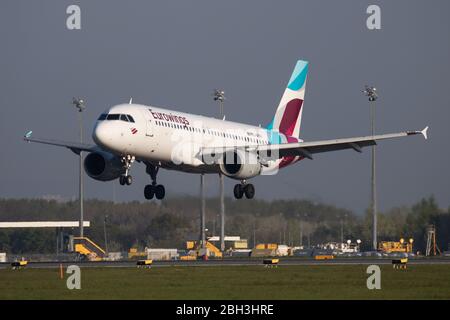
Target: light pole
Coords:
[[79, 104], [342, 217], [254, 232], [219, 95], [371, 93], [302, 221], [301, 233], [202, 211], [104, 231]]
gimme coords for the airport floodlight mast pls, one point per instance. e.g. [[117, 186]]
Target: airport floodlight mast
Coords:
[[104, 231], [79, 104], [202, 211], [371, 93], [219, 95]]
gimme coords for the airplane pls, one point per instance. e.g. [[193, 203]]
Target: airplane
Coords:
[[168, 139]]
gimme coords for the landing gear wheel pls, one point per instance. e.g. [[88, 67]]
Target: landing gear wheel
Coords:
[[238, 191], [157, 190], [160, 192], [249, 191], [128, 180], [149, 192], [125, 180]]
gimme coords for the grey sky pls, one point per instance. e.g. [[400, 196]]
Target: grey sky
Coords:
[[173, 53]]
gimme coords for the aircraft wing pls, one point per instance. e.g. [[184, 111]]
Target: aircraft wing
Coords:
[[307, 149], [76, 147]]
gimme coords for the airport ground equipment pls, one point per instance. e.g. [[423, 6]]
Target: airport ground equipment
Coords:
[[144, 263], [401, 246], [161, 254], [324, 257], [17, 265], [188, 258], [210, 249], [264, 250], [342, 247], [270, 246], [133, 253], [87, 248], [263, 253], [400, 263], [271, 263]]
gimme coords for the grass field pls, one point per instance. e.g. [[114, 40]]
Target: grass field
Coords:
[[230, 282]]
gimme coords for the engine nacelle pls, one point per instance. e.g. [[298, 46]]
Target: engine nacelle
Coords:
[[103, 166], [238, 164]]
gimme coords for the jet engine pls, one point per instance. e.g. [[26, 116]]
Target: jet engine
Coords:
[[238, 164], [103, 166]]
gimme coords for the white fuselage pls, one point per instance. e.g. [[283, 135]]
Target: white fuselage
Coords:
[[173, 139]]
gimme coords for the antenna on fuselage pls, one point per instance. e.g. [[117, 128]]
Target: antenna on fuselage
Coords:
[[131, 100]]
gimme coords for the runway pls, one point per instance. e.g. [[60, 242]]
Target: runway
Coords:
[[291, 261]]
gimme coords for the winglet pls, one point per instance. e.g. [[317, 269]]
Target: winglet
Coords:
[[424, 132], [28, 134]]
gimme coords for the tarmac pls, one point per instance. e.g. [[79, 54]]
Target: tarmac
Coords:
[[291, 261]]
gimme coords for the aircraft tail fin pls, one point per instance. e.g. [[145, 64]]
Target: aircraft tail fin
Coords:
[[288, 116]]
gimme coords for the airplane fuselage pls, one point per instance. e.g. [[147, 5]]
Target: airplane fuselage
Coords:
[[173, 139]]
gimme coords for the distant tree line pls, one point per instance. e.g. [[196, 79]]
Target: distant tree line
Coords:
[[173, 221]]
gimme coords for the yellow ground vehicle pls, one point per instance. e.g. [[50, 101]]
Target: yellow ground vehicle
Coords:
[[271, 262], [211, 249], [188, 258], [324, 257], [144, 263], [87, 248], [400, 263], [16, 265]]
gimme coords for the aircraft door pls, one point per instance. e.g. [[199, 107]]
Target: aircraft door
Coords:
[[148, 123]]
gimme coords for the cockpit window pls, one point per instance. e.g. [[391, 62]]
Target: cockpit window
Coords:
[[116, 116], [113, 117]]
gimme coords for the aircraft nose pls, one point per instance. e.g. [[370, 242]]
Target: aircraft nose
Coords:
[[101, 134]]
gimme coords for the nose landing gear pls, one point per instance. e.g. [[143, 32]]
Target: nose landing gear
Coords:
[[154, 189], [126, 179], [243, 188]]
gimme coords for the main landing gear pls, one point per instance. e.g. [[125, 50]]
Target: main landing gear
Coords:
[[154, 189], [243, 188], [126, 179]]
